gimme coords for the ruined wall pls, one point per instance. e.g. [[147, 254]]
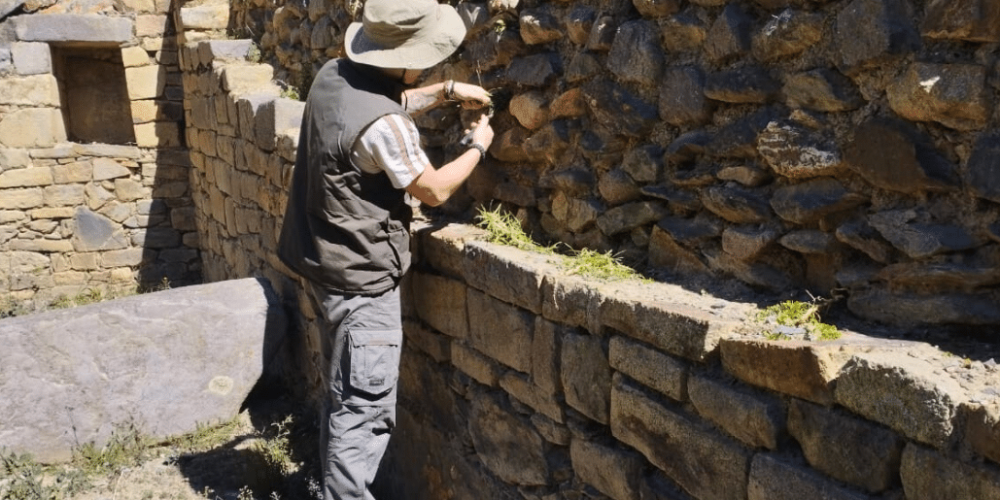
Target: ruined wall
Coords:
[[522, 381], [93, 173], [845, 147]]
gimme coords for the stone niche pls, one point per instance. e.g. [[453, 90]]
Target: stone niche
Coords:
[[93, 92]]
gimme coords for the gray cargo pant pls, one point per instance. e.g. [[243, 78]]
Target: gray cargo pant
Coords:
[[362, 340]]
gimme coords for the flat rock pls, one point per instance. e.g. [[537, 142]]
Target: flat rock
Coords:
[[950, 479], [539, 26], [862, 236], [945, 276], [682, 96], [969, 20], [729, 37], [747, 84], [73, 28], [619, 109], [508, 445], [954, 95], [893, 155], [811, 200], [787, 34], [736, 204], [872, 32], [796, 152], [821, 89], [536, 70], [158, 361], [984, 177], [913, 309], [747, 242], [644, 163], [617, 187], [809, 241], [683, 33], [630, 216], [773, 479], [919, 239], [636, 55], [656, 8]]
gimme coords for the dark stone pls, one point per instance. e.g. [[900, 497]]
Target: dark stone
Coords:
[[579, 22], [892, 155], [157, 237], [507, 444], [509, 145], [984, 167], [729, 37], [870, 33], [522, 196], [787, 34], [747, 242], [969, 20], [821, 89], [918, 239], [636, 55], [798, 153], [539, 26], [551, 141], [644, 163], [936, 278], [954, 95], [602, 34], [811, 200], [572, 181], [739, 138], [938, 309], [536, 70], [628, 217], [577, 214], [602, 148], [682, 33], [665, 252], [620, 110], [582, 67], [682, 97], [862, 236], [586, 376], [809, 241], [746, 175], [656, 8], [617, 187], [687, 148], [691, 232], [697, 176], [679, 201], [736, 205], [747, 84], [759, 274], [96, 232], [493, 50]]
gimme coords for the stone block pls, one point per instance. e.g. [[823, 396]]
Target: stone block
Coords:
[[158, 135], [984, 180], [150, 25], [909, 308], [920, 240], [787, 34], [210, 16], [682, 96], [821, 89], [904, 393], [507, 273], [145, 82], [126, 257], [508, 446], [437, 346], [539, 26], [79, 171], [501, 331], [441, 303], [105, 169], [246, 78], [619, 109], [26, 177], [636, 54], [845, 447], [983, 430], [665, 317], [135, 56], [530, 109], [796, 152], [729, 37], [165, 339], [275, 117], [954, 95], [586, 376], [928, 475], [14, 158], [812, 200], [869, 33], [43, 246], [73, 28], [969, 20], [35, 90], [736, 204], [702, 462], [614, 472], [522, 389], [755, 419], [772, 479], [915, 166], [545, 355], [744, 85], [31, 58], [95, 232], [649, 367], [482, 369]]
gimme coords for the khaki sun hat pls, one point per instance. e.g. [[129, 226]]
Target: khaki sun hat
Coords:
[[409, 34]]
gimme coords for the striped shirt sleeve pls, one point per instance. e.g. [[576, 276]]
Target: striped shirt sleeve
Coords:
[[391, 144]]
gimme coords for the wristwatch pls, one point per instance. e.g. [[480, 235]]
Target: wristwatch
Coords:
[[480, 148]]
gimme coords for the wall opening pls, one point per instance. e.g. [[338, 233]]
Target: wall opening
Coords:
[[93, 93]]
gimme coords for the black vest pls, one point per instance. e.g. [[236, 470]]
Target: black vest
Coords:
[[344, 229]]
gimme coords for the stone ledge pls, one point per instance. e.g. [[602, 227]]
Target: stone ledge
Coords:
[[73, 28]]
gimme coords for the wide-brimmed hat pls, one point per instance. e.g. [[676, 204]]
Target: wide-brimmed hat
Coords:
[[413, 34]]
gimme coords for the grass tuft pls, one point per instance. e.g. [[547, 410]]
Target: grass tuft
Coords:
[[795, 314]]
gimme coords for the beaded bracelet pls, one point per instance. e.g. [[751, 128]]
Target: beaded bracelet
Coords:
[[449, 90]]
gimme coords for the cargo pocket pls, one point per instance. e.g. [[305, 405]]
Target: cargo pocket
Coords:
[[375, 360]]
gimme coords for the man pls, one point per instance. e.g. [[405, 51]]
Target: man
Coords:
[[346, 224]]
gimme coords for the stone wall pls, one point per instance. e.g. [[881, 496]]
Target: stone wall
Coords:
[[93, 173], [845, 147], [521, 380]]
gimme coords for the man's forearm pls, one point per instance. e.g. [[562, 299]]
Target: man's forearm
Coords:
[[425, 98], [435, 186]]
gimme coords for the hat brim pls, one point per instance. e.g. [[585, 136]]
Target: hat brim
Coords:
[[420, 52]]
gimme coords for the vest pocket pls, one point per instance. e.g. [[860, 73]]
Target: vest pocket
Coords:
[[375, 360]]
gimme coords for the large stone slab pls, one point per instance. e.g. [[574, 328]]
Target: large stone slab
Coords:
[[954, 95], [507, 444], [927, 475], [73, 28], [772, 479], [755, 419], [510, 274], [165, 362]]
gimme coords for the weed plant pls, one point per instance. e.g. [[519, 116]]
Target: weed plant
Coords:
[[795, 314]]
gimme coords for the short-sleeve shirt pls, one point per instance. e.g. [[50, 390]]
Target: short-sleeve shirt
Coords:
[[391, 144]]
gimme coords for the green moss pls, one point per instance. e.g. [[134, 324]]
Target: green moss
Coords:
[[796, 314]]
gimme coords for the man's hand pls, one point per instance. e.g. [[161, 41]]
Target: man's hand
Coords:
[[482, 132], [470, 96]]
